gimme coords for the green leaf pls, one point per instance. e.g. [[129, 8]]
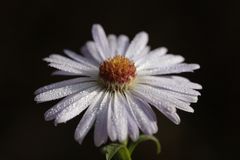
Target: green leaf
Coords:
[[144, 138], [116, 150], [124, 154]]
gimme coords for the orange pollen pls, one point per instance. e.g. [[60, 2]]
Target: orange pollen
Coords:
[[118, 69]]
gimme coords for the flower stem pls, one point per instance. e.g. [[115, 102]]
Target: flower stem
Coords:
[[123, 154], [123, 151]]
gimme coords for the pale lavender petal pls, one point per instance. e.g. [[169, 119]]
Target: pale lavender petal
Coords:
[[86, 53], [143, 53], [178, 68], [62, 92], [70, 69], [146, 108], [133, 130], [169, 112], [137, 45], [56, 109], [110, 125], [91, 47], [119, 116], [163, 61], [144, 123], [132, 124], [66, 69], [61, 60], [122, 44], [76, 108], [173, 117], [185, 82], [101, 41], [156, 101], [88, 118], [63, 84], [169, 84], [180, 96], [180, 79], [100, 131], [80, 58], [63, 73], [159, 99], [112, 39], [154, 54]]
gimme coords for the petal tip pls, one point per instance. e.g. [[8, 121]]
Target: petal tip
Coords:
[[78, 138], [97, 27], [37, 99], [197, 66]]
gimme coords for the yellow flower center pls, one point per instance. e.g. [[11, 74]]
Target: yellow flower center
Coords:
[[117, 73]]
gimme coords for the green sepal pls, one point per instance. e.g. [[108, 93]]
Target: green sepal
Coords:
[[116, 151], [144, 138]]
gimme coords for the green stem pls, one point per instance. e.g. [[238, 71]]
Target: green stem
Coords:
[[123, 151], [123, 154]]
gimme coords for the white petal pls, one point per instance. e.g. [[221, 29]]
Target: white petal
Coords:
[[52, 112], [154, 54], [101, 41], [119, 116], [100, 130], [146, 108], [144, 123], [178, 68], [137, 45], [163, 61], [169, 112], [173, 117], [133, 130], [180, 96], [70, 69], [159, 99], [86, 53], [169, 84], [132, 124], [91, 47], [143, 53], [88, 119], [185, 82], [80, 58], [112, 39], [67, 68], [76, 108], [122, 44], [62, 92], [180, 79], [63, 84], [63, 73], [61, 60], [150, 98], [112, 133], [158, 51]]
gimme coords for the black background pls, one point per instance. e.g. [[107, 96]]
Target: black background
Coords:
[[203, 31]]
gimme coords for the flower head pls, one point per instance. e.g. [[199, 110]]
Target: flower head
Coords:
[[117, 83], [117, 73]]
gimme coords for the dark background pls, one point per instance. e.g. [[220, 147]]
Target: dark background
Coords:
[[203, 31]]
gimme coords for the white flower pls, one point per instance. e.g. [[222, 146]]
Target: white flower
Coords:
[[116, 83]]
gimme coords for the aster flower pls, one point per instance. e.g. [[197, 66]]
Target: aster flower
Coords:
[[117, 83]]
